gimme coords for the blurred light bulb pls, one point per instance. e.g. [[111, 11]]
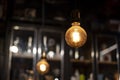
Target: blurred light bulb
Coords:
[[75, 36], [16, 27], [51, 54], [56, 78], [14, 49], [42, 66]]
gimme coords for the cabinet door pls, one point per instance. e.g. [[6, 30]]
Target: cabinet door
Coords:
[[107, 56], [22, 52], [51, 41]]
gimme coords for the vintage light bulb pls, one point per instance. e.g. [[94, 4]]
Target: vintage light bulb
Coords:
[[75, 36], [42, 66]]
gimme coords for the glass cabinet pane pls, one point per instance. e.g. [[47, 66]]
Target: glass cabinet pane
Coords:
[[81, 61], [22, 43], [51, 41], [107, 50], [21, 50], [26, 10], [83, 53]]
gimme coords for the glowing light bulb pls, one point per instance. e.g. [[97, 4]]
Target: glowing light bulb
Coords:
[[75, 36], [42, 67]]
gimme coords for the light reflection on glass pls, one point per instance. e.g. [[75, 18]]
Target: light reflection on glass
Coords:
[[34, 50], [62, 52], [39, 51], [92, 54]]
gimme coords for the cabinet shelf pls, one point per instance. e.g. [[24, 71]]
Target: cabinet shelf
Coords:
[[89, 62], [22, 55], [107, 63], [37, 20], [81, 61], [54, 60]]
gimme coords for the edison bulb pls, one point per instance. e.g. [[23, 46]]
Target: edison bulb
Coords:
[[42, 66], [75, 36]]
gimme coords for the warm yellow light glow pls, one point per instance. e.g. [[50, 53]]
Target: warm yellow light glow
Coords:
[[75, 36], [42, 66]]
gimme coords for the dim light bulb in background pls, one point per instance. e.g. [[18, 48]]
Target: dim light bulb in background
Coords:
[[42, 66], [14, 49], [76, 36]]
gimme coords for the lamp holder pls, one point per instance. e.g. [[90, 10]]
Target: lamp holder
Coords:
[[43, 56], [75, 15]]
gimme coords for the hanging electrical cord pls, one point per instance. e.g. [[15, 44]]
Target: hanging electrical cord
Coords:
[[76, 36], [43, 25], [43, 13], [42, 65]]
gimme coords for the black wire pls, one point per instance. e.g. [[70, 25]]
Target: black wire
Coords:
[[43, 25], [43, 13], [75, 14]]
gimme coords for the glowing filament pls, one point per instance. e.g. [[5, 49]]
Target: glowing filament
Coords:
[[76, 36], [43, 67]]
